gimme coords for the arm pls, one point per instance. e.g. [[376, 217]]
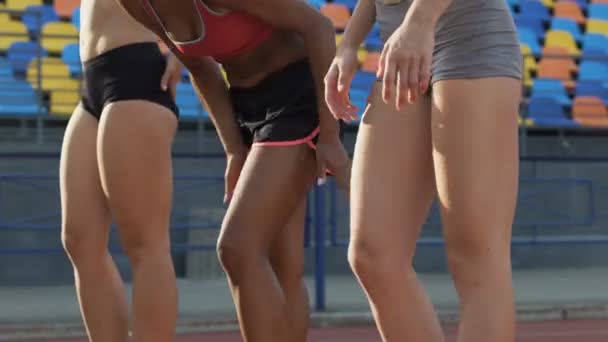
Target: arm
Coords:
[[359, 26], [316, 31]]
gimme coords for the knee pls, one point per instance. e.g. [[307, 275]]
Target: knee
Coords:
[[289, 266], [370, 260], [83, 245], [141, 246], [235, 254]]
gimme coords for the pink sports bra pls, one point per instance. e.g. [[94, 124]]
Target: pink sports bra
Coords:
[[223, 35]]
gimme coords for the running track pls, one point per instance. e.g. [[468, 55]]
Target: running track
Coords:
[[554, 331]]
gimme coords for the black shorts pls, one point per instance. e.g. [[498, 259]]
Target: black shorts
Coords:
[[281, 110], [130, 72]]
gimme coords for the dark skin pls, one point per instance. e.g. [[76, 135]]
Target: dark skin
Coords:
[[261, 252]]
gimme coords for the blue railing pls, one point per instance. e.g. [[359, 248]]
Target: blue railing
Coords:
[[540, 219]]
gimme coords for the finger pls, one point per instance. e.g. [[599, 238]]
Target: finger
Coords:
[[414, 80], [321, 169], [331, 91], [381, 62], [173, 88], [401, 84], [425, 74], [164, 81], [388, 86]]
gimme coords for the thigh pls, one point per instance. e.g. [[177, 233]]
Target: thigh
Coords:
[[287, 249], [392, 182], [84, 210], [271, 187], [475, 153], [134, 150]]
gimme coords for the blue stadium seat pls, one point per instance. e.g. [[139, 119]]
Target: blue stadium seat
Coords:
[[363, 81], [597, 11], [595, 41], [187, 101], [568, 25], [36, 16], [534, 9], [532, 24], [546, 111], [513, 4], [19, 100], [348, 3], [317, 3], [528, 37], [21, 53], [359, 97], [592, 88], [76, 18], [71, 57], [373, 42], [581, 3], [593, 71], [551, 88]]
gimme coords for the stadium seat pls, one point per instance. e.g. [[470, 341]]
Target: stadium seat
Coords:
[[363, 80], [562, 39], [551, 88], [373, 42], [528, 37], [76, 18], [545, 111], [534, 9], [597, 26], [594, 42], [337, 13], [593, 71], [55, 36], [371, 62], [581, 3], [359, 98], [19, 100], [557, 69], [533, 24], [590, 111], [592, 88], [597, 11], [529, 60], [350, 4], [20, 54], [569, 9], [4, 17], [316, 3], [54, 75], [20, 5], [187, 101], [65, 8], [568, 25], [37, 16], [548, 3], [14, 31], [71, 57], [62, 103]]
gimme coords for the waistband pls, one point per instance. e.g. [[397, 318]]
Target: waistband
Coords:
[[127, 54]]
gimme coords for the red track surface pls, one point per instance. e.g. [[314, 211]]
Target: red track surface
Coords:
[[554, 331]]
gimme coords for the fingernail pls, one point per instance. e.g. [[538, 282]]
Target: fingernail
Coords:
[[321, 181]]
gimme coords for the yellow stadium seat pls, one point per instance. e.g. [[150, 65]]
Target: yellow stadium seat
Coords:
[[361, 56], [13, 31], [529, 60], [4, 17], [597, 26], [562, 39], [54, 75], [56, 35], [63, 102], [338, 38], [20, 5], [548, 3]]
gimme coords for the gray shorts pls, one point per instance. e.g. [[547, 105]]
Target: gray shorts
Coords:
[[473, 38]]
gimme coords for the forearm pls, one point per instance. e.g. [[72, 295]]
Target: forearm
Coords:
[[213, 92], [321, 46], [359, 26], [427, 11]]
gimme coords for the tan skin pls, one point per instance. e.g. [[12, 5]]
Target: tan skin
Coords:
[[120, 168], [261, 253], [459, 145]]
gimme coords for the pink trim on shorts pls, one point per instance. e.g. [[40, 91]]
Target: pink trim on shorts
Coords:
[[307, 140]]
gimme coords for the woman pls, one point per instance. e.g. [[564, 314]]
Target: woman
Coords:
[[459, 143], [116, 164], [275, 54]]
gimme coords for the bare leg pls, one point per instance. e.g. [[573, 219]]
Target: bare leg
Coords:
[[392, 187], [271, 188], [287, 260], [136, 171], [476, 165], [85, 229]]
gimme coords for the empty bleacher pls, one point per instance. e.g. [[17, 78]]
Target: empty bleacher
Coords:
[[564, 43]]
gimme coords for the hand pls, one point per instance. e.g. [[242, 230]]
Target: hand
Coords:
[[337, 85], [234, 165], [405, 62], [331, 156], [172, 75]]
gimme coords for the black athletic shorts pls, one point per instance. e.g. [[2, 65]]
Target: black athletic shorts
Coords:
[[281, 110], [130, 72]]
